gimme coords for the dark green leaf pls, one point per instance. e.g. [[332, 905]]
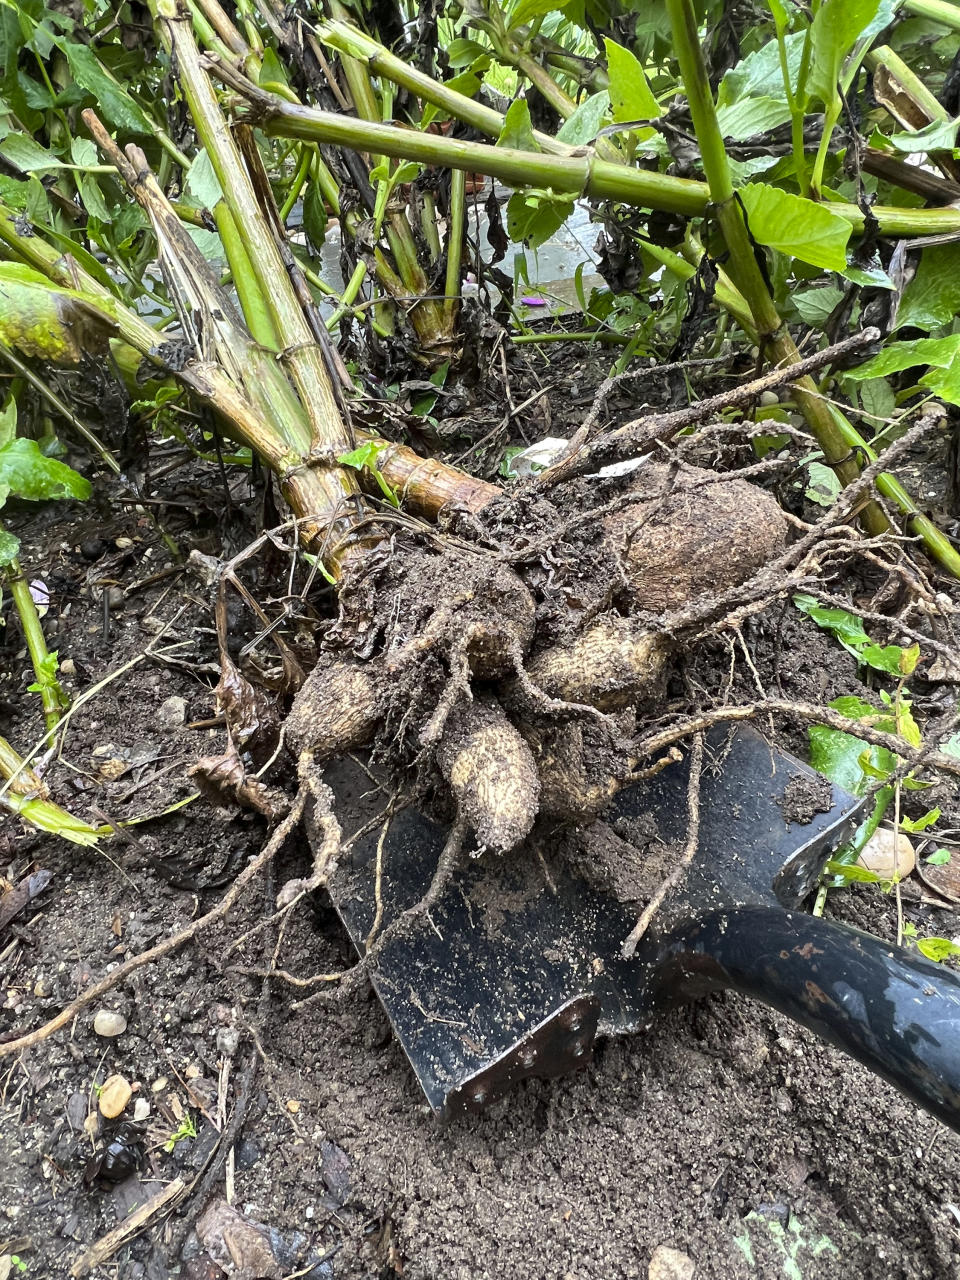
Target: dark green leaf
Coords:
[[315, 216], [534, 216], [113, 102], [814, 305], [758, 75], [904, 355]]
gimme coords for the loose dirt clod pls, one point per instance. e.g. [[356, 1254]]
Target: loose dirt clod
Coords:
[[491, 773]]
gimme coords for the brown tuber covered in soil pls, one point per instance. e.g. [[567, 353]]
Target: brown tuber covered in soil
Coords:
[[692, 533], [614, 663], [491, 773]]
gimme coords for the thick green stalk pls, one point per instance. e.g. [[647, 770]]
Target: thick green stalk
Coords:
[[936, 11], [255, 310], [884, 56], [51, 695], [562, 173], [775, 339]]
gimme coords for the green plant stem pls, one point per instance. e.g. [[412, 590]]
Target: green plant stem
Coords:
[[349, 295], [936, 11], [562, 173], [51, 694], [255, 310], [296, 186], [775, 339], [579, 335], [884, 56], [458, 190]]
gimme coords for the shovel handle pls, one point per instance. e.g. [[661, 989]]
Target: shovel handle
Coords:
[[893, 1010]]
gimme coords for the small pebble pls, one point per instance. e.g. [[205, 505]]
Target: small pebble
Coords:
[[141, 1109], [159, 1084], [91, 549], [887, 855], [114, 1096], [293, 1106], [115, 597], [769, 398], [670, 1264], [123, 544], [68, 667], [107, 1023], [172, 714]]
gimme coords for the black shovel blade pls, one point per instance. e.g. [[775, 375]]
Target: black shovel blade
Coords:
[[518, 966]]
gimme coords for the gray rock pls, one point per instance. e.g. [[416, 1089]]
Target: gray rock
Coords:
[[172, 714], [109, 1024]]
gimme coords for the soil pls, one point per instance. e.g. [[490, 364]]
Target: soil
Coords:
[[724, 1131]]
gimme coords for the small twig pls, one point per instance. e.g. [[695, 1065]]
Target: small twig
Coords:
[[107, 1245], [689, 852]]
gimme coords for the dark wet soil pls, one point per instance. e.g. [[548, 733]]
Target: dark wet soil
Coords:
[[724, 1131]]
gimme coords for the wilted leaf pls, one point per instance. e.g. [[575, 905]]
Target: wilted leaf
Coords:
[[224, 781], [58, 325]]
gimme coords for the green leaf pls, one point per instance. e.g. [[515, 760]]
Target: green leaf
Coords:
[[113, 102], [272, 70], [631, 97], [940, 135], [837, 756], [517, 131], [587, 121], [534, 216], [897, 356], [202, 187], [27, 473], [824, 487], [932, 297], [8, 422], [944, 383], [951, 746], [938, 949], [835, 30], [847, 627], [851, 873], [796, 226], [9, 545], [758, 75], [461, 53], [315, 216], [877, 399], [364, 458], [752, 116], [527, 10], [920, 824], [938, 859], [27, 155], [40, 320], [888, 658], [814, 305]]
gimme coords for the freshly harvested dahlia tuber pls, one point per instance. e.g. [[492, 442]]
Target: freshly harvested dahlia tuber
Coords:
[[490, 771], [704, 536], [578, 779], [337, 710], [613, 664]]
